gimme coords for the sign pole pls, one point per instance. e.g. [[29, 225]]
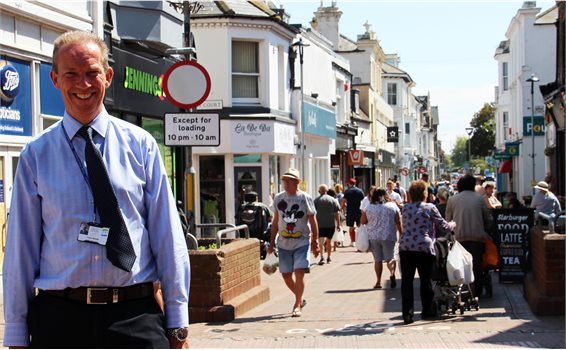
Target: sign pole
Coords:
[[189, 172]]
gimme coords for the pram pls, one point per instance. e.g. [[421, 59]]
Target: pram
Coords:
[[449, 298]]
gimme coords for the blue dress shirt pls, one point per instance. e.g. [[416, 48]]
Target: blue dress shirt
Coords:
[[51, 198]]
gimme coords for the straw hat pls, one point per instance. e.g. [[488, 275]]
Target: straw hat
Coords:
[[291, 173], [542, 185]]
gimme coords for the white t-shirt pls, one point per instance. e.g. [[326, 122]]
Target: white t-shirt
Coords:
[[294, 231], [364, 203]]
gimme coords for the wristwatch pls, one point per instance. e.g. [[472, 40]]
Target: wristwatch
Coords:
[[179, 333]]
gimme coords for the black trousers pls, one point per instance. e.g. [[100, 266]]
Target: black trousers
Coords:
[[421, 262], [476, 249], [55, 322]]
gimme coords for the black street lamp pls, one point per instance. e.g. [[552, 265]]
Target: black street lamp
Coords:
[[533, 79], [300, 45]]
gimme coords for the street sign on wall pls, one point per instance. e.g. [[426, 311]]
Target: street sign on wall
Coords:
[[192, 129]]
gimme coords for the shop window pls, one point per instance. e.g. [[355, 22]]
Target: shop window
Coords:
[[245, 71], [212, 192], [155, 128], [273, 177]]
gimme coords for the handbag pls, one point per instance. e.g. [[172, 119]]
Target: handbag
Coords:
[[270, 264], [362, 239], [459, 265], [490, 256]]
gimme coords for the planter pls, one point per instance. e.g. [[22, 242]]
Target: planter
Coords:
[[225, 282], [544, 285]]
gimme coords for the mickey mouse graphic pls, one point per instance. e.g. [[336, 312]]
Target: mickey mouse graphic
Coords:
[[290, 217]]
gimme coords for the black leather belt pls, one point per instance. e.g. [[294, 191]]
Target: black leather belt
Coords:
[[104, 295]]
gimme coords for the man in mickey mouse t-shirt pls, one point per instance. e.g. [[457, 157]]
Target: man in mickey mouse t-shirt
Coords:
[[293, 211]]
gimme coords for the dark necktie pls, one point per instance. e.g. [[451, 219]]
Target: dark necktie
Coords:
[[119, 248]]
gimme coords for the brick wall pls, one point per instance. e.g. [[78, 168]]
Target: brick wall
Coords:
[[219, 276], [544, 285]]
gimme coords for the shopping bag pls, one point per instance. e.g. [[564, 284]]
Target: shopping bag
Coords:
[[338, 236], [459, 265], [270, 263], [490, 256], [362, 238]]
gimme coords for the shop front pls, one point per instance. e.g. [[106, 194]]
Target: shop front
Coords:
[[251, 156], [341, 170], [136, 95], [386, 166]]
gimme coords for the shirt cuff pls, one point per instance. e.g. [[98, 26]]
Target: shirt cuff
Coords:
[[177, 316], [16, 334]]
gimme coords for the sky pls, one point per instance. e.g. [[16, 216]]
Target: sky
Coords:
[[447, 47]]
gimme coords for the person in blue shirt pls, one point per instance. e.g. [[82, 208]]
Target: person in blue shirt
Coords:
[[83, 298]]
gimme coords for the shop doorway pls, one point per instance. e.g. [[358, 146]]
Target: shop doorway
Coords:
[[248, 179], [9, 157]]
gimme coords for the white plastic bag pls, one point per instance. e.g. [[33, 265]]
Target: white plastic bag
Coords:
[[270, 264], [459, 265], [338, 236], [362, 238]]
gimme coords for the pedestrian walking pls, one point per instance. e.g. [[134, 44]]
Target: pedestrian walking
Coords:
[[328, 219], [293, 212], [351, 201], [93, 224], [394, 196], [367, 199], [383, 220], [468, 209], [416, 250]]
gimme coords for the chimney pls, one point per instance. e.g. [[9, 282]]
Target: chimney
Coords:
[[327, 23]]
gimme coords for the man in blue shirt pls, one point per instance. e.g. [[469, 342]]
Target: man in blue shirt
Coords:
[[59, 242]]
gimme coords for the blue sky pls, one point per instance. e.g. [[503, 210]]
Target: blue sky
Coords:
[[447, 47]]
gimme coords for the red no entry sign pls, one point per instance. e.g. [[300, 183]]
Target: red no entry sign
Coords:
[[186, 84]]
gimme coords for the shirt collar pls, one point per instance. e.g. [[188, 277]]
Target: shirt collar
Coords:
[[99, 123]]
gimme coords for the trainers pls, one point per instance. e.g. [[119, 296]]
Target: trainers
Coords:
[[328, 261], [321, 262]]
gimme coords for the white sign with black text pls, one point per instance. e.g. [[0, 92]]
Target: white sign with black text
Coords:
[[192, 129]]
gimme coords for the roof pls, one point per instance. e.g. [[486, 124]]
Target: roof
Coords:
[[549, 16], [502, 48], [392, 71], [243, 9]]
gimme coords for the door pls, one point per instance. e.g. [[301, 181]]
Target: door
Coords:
[[9, 157], [248, 179]]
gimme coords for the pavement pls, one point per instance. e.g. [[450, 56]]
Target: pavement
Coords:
[[344, 311]]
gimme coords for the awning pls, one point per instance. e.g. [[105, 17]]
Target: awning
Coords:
[[506, 167]]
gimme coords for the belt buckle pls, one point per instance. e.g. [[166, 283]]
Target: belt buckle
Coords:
[[89, 296]]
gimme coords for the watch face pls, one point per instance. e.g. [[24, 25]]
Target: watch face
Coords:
[[182, 334]]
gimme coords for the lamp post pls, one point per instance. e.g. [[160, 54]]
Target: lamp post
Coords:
[[533, 79], [469, 131], [301, 47]]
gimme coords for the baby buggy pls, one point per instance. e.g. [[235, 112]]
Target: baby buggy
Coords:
[[449, 298]]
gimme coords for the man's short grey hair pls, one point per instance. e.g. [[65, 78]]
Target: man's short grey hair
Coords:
[[79, 36]]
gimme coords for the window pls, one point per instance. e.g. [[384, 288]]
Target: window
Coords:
[[407, 128], [505, 76], [506, 132], [245, 70], [392, 94]]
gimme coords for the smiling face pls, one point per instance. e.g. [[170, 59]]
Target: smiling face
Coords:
[[82, 79]]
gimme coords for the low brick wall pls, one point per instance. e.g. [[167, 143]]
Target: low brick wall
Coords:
[[544, 284], [225, 282]]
